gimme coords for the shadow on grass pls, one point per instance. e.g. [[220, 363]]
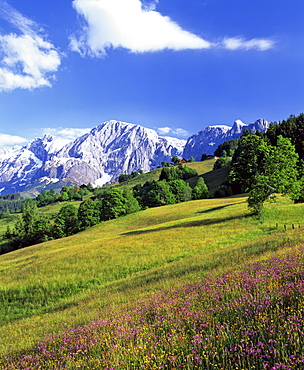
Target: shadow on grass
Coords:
[[207, 222], [215, 208]]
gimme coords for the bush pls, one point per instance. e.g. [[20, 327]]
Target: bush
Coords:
[[223, 191]]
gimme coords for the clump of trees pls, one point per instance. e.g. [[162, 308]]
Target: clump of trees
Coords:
[[66, 193], [124, 177], [32, 227], [262, 169], [171, 188], [10, 203], [264, 164], [221, 162], [227, 148], [178, 172], [176, 160]]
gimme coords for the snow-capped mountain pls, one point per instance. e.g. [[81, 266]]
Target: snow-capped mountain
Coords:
[[207, 140], [97, 157], [104, 153]]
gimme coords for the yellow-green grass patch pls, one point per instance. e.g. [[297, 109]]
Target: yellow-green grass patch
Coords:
[[77, 279]]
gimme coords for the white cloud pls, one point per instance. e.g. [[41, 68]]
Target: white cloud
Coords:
[[66, 133], [10, 140], [129, 24], [27, 59], [179, 132], [136, 25], [236, 43]]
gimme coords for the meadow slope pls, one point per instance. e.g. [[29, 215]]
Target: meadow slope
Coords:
[[110, 267]]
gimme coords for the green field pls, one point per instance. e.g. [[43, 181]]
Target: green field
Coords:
[[76, 280], [202, 168]]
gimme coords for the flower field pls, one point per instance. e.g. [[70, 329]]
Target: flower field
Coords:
[[249, 318]]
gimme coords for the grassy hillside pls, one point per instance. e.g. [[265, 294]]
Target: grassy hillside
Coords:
[[76, 280], [200, 167]]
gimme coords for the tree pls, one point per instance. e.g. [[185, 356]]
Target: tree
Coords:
[[200, 190], [123, 178], [177, 172], [298, 195], [47, 197], [228, 146], [31, 227], [64, 196], [113, 204], [88, 213], [42, 230], [29, 216], [181, 190], [278, 175], [154, 194], [187, 172], [249, 159], [175, 159], [169, 174], [160, 194], [222, 162], [132, 204], [66, 222], [292, 128]]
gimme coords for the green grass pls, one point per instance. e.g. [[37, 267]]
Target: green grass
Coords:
[[215, 178], [51, 210], [200, 167], [75, 280]]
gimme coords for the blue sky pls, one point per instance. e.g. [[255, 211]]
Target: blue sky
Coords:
[[176, 66]]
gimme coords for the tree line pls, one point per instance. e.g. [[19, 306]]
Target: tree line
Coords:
[[10, 203], [33, 227]]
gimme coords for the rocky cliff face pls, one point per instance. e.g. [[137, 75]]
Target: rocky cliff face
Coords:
[[98, 157], [207, 140], [104, 153]]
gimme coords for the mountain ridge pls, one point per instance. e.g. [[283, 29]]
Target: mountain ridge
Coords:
[[108, 150], [208, 139]]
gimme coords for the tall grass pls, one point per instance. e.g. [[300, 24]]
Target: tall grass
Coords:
[[75, 280], [251, 318]]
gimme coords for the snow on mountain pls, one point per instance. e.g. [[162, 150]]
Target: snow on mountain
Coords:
[[97, 157], [175, 143], [207, 140], [104, 153]]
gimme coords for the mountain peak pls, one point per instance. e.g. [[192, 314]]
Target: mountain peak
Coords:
[[238, 127], [207, 140], [108, 150]]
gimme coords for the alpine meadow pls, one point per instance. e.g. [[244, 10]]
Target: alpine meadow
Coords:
[[156, 272], [151, 185]]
